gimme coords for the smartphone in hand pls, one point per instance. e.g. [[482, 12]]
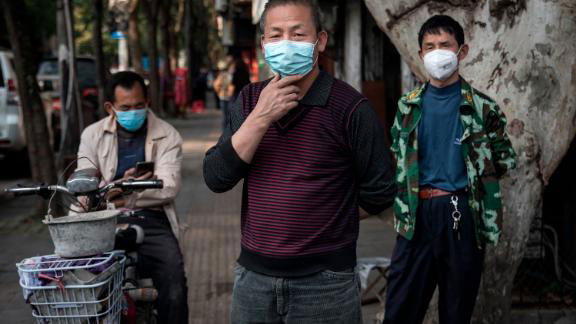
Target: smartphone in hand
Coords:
[[143, 168]]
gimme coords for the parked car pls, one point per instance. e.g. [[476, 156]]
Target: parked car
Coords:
[[12, 135], [49, 81]]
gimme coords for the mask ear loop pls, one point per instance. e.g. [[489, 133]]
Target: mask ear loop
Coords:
[[317, 57], [459, 49], [115, 112]]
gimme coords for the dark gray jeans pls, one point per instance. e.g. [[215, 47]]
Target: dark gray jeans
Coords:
[[324, 298]]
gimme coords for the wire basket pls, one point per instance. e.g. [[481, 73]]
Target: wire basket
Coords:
[[80, 290]]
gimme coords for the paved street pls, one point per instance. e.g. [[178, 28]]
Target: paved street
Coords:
[[211, 225]]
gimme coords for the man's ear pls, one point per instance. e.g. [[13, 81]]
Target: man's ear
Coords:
[[262, 44], [463, 52], [322, 41], [108, 107]]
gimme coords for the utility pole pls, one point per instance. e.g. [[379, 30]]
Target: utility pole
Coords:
[[71, 117], [123, 53], [98, 45], [120, 10]]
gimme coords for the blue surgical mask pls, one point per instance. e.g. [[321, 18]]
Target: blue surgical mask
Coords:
[[131, 120], [288, 57]]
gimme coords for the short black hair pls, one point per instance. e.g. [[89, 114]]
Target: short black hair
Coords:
[[124, 79], [311, 4], [441, 23]]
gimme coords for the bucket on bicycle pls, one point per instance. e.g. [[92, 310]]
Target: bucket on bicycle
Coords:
[[83, 234]]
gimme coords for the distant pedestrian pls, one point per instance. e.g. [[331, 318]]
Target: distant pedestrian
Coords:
[[199, 91], [224, 90], [240, 76], [313, 159], [450, 143], [181, 98]]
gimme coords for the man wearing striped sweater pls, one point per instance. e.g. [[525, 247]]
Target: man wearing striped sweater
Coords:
[[313, 158]]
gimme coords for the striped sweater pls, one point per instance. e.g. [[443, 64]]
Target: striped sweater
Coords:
[[311, 172]]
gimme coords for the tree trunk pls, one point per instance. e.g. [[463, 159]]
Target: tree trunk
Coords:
[[520, 56], [191, 57], [178, 26], [20, 29], [99, 54], [167, 39], [151, 8], [134, 38]]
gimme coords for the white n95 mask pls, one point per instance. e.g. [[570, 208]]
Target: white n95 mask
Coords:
[[441, 64]]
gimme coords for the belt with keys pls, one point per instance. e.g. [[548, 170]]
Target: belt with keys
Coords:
[[456, 215]]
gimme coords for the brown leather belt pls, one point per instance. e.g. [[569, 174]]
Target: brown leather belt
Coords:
[[429, 193]]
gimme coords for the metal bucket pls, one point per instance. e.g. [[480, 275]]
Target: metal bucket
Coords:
[[83, 234]]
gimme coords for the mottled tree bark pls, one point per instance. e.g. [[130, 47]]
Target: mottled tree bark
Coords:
[[20, 29], [522, 55]]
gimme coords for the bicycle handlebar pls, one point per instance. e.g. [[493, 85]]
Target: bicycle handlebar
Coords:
[[37, 190], [124, 185], [141, 184]]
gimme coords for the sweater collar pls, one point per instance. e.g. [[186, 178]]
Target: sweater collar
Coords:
[[319, 92]]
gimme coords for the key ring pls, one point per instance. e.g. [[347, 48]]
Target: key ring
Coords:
[[456, 215]]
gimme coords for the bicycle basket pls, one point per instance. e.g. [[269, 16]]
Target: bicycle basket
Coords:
[[81, 290]]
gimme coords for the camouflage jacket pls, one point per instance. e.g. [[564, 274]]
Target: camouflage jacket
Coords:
[[487, 152]]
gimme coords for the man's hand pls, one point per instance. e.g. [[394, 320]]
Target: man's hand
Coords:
[[115, 195], [83, 203], [278, 98], [362, 213], [130, 174]]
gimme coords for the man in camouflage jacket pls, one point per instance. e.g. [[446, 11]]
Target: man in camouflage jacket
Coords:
[[451, 149], [487, 152]]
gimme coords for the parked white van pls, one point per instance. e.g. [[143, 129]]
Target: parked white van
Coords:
[[12, 136]]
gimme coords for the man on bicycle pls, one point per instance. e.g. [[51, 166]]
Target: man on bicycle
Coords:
[[114, 145]]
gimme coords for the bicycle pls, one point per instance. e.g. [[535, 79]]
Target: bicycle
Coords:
[[86, 280]]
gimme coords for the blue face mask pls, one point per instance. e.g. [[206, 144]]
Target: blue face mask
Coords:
[[131, 120], [290, 57]]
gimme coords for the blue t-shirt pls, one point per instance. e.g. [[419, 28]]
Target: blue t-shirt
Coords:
[[440, 159], [131, 149]]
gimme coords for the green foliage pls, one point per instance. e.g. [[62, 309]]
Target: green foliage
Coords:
[[83, 31], [42, 14]]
